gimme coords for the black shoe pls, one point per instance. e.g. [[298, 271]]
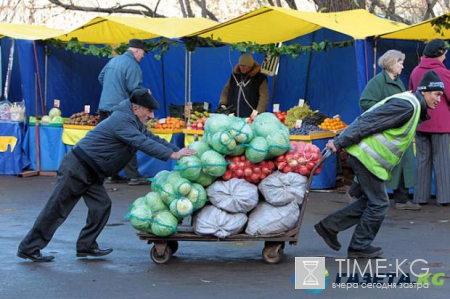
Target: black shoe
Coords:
[[139, 181], [94, 252], [329, 237], [36, 256], [366, 253]]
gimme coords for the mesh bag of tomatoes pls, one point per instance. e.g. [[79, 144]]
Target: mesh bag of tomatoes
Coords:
[[301, 159], [241, 168]]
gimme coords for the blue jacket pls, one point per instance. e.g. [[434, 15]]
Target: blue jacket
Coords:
[[120, 76], [108, 147]]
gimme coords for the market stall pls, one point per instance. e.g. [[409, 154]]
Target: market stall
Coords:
[[12, 157], [51, 148]]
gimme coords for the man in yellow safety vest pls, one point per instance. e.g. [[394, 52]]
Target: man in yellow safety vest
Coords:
[[375, 143]]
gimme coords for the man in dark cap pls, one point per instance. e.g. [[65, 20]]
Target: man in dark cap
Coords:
[[433, 135], [119, 78], [375, 143], [101, 153]]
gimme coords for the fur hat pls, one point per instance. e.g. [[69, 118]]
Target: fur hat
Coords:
[[246, 59], [431, 82], [435, 48], [142, 97], [136, 43]]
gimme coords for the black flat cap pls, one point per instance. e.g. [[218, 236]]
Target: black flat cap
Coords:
[[136, 43], [143, 98]]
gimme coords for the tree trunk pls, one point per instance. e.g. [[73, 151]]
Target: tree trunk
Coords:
[[333, 6]]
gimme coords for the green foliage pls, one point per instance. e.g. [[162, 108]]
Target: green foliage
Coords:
[[441, 24], [160, 46], [293, 50]]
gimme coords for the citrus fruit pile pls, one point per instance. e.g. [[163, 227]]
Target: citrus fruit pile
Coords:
[[332, 124]]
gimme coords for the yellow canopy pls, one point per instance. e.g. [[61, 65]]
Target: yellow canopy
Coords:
[[423, 31], [116, 29], [27, 32], [274, 24]]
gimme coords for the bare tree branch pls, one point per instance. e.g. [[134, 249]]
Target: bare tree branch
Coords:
[[115, 9], [208, 13], [189, 11], [429, 12], [291, 4], [183, 9]]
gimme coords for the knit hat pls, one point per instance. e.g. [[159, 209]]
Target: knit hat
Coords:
[[136, 43], [142, 97], [431, 82], [246, 59], [435, 48]]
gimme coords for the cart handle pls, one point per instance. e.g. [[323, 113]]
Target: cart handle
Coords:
[[326, 153]]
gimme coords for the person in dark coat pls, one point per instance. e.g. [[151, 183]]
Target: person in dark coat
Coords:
[[383, 85], [101, 153], [247, 88], [375, 143]]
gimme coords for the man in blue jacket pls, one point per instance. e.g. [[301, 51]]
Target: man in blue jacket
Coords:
[[375, 143], [119, 78], [101, 153]]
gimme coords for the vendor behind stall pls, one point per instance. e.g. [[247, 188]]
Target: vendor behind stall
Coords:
[[246, 90]]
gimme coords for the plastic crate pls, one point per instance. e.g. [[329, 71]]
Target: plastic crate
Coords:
[[176, 110]]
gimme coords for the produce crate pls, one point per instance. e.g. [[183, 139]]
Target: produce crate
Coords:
[[313, 135], [176, 110], [193, 132], [32, 122], [166, 131], [78, 127]]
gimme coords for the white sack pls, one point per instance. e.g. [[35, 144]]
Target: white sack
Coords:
[[280, 188], [211, 220], [234, 196], [268, 219]]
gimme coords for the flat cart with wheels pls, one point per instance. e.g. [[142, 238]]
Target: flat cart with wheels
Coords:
[[272, 253]]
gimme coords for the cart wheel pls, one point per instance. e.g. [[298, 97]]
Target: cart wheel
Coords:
[[273, 254], [274, 243], [173, 245], [163, 258]]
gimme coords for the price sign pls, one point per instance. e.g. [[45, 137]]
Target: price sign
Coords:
[[254, 113], [162, 121], [56, 103], [336, 116], [301, 102], [298, 124], [87, 109], [206, 106], [276, 107]]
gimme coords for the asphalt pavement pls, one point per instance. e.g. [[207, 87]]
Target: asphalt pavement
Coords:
[[415, 241]]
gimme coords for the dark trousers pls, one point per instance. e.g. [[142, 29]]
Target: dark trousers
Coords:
[[131, 169], [367, 213], [400, 195], [74, 182]]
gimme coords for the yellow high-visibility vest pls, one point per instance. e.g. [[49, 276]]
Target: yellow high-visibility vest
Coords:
[[382, 151]]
